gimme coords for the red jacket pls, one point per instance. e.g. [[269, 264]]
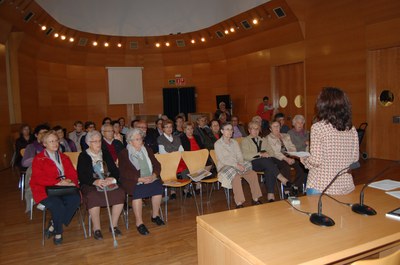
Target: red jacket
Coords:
[[45, 173], [264, 114]]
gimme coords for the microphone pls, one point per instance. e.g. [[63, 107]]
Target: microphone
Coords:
[[361, 208], [319, 218]]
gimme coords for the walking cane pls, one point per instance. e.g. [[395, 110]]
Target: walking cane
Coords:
[[103, 176]]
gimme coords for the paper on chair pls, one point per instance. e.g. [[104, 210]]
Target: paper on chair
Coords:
[[386, 184], [199, 175]]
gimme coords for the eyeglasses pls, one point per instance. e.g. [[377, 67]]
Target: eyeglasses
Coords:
[[53, 141], [95, 141], [108, 131]]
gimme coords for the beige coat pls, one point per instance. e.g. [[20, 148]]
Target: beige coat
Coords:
[[249, 149], [275, 144]]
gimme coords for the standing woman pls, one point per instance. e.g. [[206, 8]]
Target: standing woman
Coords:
[[334, 144], [139, 177], [52, 168], [92, 185], [232, 168]]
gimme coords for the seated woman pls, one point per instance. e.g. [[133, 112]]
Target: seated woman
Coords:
[[222, 109], [299, 136], [190, 141], [257, 151], [232, 168], [36, 147], [52, 168], [215, 133], [178, 131], [281, 144], [25, 138], [168, 143], [92, 184], [66, 145], [139, 177], [238, 130], [334, 144], [117, 132]]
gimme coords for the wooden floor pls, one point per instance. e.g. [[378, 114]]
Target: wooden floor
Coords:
[[174, 243]]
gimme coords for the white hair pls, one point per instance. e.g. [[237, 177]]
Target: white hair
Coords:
[[132, 132], [90, 135], [298, 118]]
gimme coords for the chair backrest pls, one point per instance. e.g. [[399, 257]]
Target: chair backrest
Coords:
[[239, 140], [169, 164], [214, 156], [393, 259], [195, 160], [74, 157]]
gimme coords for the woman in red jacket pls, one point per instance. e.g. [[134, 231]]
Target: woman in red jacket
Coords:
[[52, 168]]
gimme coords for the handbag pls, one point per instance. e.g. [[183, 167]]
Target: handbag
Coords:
[[61, 190]]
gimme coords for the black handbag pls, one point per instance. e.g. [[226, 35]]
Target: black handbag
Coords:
[[61, 190]]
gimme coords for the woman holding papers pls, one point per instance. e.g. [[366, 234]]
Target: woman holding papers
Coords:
[[139, 177], [232, 168], [334, 144]]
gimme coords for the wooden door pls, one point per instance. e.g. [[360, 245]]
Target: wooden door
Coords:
[[382, 133], [289, 83]]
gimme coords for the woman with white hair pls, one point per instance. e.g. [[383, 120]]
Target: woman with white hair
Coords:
[[140, 172], [94, 162], [299, 136]]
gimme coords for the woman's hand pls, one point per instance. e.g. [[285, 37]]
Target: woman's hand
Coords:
[[101, 183], [147, 180], [290, 161], [240, 167], [65, 182], [264, 154]]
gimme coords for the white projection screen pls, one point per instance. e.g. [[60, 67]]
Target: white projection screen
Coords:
[[125, 85]]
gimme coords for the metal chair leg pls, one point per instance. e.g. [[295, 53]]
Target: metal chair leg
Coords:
[[166, 204], [22, 186], [228, 199], [43, 225], [191, 189], [82, 222]]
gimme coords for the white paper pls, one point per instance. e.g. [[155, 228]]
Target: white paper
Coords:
[[199, 175], [386, 184], [299, 154], [395, 194]]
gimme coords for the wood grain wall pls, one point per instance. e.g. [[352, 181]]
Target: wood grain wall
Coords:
[[331, 39]]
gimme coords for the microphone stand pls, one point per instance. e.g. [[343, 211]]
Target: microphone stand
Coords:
[[362, 208], [319, 218]]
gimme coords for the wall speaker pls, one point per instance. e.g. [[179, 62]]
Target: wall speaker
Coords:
[[246, 24], [224, 98], [28, 16], [180, 43], [279, 12]]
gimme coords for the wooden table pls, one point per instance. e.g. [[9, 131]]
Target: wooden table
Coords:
[[275, 233]]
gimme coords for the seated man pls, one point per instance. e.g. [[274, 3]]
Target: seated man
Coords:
[[150, 136], [204, 131], [238, 130], [109, 143]]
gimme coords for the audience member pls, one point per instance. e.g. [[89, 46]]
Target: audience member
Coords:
[[66, 145], [280, 145], [89, 126], [77, 134], [139, 177], [25, 138], [238, 130], [178, 126], [190, 141], [117, 132], [159, 126], [90, 162], [133, 123], [256, 150], [150, 136], [215, 131], [52, 168], [106, 120], [124, 129], [232, 168], [334, 144], [265, 110], [222, 109], [222, 118], [204, 132], [36, 146], [109, 143], [280, 117], [299, 136]]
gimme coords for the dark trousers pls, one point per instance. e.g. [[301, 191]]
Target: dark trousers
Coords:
[[284, 168], [62, 209], [271, 171]]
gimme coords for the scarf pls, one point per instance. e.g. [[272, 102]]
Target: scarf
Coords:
[[97, 166], [134, 155], [55, 157]]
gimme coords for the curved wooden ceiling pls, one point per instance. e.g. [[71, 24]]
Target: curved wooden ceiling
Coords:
[[29, 17]]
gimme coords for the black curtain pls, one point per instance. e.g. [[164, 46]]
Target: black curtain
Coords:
[[177, 100]]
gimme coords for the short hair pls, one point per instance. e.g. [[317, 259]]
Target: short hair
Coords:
[[188, 123], [104, 126], [213, 120], [106, 119], [279, 115], [166, 122], [159, 119], [224, 125], [133, 131], [179, 117], [222, 114], [78, 122], [88, 124], [221, 103], [121, 118], [133, 122], [334, 107], [90, 135], [252, 124], [57, 128], [47, 134], [201, 117], [265, 98], [40, 127], [298, 117], [114, 122]]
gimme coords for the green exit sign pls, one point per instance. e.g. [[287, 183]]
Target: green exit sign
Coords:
[[171, 82]]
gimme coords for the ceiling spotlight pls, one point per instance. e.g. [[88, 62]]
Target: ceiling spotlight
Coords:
[[119, 45], [167, 44], [255, 21], [232, 29], [106, 44], [43, 27], [226, 32], [63, 37], [203, 39], [157, 45], [94, 43], [193, 41], [56, 35], [71, 39]]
